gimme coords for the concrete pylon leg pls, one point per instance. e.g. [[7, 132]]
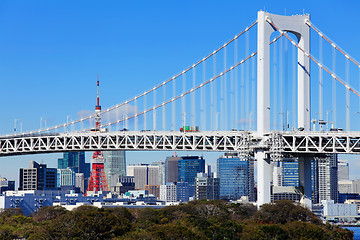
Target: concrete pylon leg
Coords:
[[264, 177], [296, 25], [305, 181]]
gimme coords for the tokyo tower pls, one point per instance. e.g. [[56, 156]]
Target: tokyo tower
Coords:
[[97, 180]]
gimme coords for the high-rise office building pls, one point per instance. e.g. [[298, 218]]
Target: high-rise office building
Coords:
[[115, 165], [140, 174], [37, 177], [236, 177], [76, 162], [144, 174], [161, 166], [65, 177], [207, 187], [189, 167], [153, 175], [171, 169], [343, 170], [327, 174]]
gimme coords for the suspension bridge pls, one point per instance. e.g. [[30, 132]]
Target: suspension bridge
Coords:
[[251, 95]]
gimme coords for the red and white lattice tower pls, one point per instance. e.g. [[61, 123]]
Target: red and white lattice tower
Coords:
[[97, 180]]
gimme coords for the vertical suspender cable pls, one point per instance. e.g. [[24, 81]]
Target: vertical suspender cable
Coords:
[[320, 82], [236, 85], [294, 69], [117, 117], [334, 87], [347, 95], [107, 120], [286, 74], [126, 116], [281, 84], [136, 118], [232, 101], [224, 116], [183, 99], [275, 86], [203, 100], [253, 94], [145, 126], [214, 117], [173, 106], [164, 109], [154, 111], [221, 110], [242, 96], [193, 99], [247, 82], [212, 102]]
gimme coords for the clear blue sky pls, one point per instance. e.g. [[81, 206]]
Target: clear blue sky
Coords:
[[51, 51]]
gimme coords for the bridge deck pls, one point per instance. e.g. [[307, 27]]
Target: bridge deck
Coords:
[[293, 142]]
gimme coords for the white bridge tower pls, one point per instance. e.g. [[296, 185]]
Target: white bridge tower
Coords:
[[298, 26]]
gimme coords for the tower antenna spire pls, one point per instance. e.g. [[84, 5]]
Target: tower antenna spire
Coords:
[[97, 108], [97, 180], [98, 95]]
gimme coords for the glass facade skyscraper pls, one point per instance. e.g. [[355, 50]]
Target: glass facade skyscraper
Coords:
[[76, 162], [189, 167], [115, 166], [236, 177]]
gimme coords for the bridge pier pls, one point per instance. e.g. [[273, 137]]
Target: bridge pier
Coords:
[[305, 181], [264, 178]]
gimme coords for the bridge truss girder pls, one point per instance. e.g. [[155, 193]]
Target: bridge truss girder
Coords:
[[146, 141], [321, 142], [275, 144]]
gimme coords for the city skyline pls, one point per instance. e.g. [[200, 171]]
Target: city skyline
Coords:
[[56, 47]]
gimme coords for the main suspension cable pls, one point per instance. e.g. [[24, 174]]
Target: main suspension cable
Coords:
[[190, 91], [151, 90], [314, 59], [333, 44]]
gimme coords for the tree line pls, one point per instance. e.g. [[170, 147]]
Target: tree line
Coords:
[[201, 219]]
